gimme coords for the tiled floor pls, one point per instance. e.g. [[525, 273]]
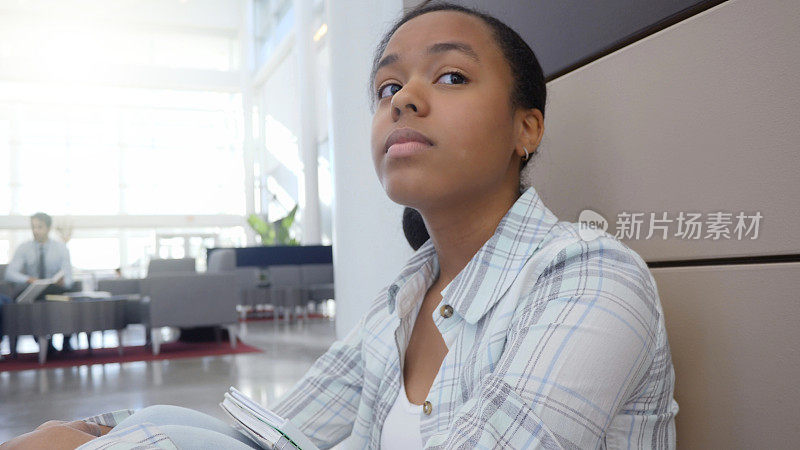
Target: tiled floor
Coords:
[[28, 398]]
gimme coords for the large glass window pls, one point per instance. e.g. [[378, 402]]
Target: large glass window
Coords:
[[5, 167], [124, 109], [281, 172], [94, 253], [5, 247], [133, 109], [82, 42], [273, 23], [106, 153], [190, 160]]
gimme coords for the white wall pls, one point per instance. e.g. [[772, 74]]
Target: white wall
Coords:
[[369, 247]]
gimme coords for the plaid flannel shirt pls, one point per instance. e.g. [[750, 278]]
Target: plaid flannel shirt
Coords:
[[555, 342]]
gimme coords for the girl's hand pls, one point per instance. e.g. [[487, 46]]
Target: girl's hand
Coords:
[[57, 435], [87, 427]]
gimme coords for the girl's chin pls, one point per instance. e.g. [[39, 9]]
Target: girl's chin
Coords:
[[408, 191]]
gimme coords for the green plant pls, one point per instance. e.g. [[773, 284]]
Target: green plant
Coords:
[[274, 233]]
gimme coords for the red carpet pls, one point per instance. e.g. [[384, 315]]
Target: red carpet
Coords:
[[174, 350]]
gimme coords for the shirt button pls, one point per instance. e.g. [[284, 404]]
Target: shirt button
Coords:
[[446, 311], [427, 407]]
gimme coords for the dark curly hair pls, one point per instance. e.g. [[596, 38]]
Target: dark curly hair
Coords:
[[529, 90]]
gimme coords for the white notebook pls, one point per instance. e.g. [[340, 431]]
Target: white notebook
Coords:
[[263, 426], [37, 287]]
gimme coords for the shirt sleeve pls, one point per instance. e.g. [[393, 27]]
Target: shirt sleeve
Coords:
[[14, 269], [145, 436], [110, 419], [324, 403], [577, 348]]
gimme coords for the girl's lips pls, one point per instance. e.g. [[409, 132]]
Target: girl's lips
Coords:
[[403, 135], [404, 149]]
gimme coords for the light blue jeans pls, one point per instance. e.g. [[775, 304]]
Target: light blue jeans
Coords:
[[190, 429]]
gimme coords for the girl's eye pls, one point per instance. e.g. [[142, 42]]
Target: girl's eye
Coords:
[[453, 78], [389, 89]]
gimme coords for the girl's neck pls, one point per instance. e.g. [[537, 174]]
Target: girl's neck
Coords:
[[460, 230]]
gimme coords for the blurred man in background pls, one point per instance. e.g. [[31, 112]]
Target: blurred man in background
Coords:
[[42, 258]]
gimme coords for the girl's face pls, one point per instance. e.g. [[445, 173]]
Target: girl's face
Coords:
[[443, 76]]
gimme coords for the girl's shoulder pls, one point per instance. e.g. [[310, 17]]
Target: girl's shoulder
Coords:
[[568, 243], [569, 263]]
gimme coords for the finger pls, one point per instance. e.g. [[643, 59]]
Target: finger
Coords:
[[87, 427]]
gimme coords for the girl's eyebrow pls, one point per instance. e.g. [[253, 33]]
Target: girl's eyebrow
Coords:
[[440, 47]]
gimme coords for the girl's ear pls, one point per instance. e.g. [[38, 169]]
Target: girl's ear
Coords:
[[531, 129]]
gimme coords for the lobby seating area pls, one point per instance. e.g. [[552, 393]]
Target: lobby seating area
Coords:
[[175, 294]]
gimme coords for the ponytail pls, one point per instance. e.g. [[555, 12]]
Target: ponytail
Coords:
[[414, 228]]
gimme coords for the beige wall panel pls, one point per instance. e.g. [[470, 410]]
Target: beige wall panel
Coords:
[[699, 117], [735, 341]]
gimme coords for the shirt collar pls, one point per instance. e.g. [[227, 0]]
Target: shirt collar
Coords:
[[422, 263], [495, 266]]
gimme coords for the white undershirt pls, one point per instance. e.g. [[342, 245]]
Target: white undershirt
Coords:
[[401, 427]]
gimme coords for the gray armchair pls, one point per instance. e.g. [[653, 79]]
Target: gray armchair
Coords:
[[176, 295], [190, 300]]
